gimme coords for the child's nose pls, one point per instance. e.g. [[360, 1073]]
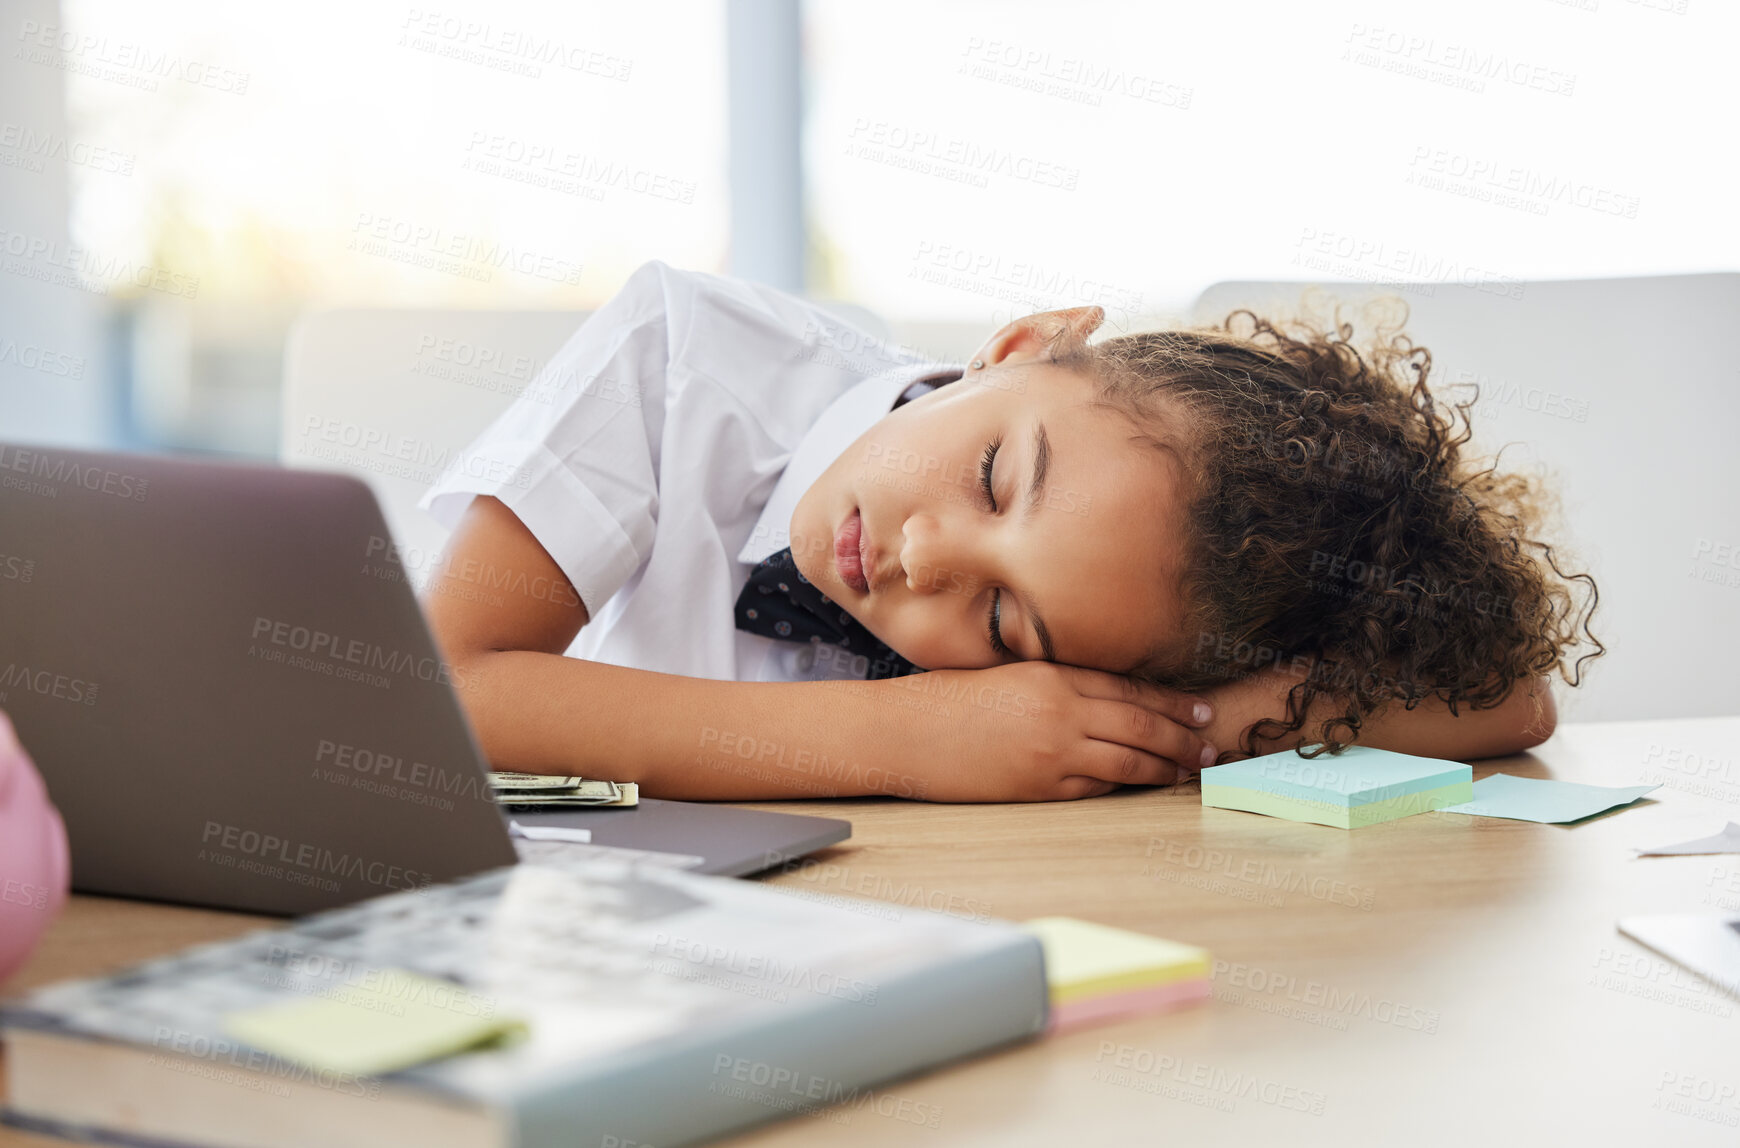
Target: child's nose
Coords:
[[936, 557]]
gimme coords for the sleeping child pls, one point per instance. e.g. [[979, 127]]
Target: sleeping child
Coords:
[[728, 545]]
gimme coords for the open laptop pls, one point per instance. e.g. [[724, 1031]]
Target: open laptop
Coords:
[[227, 683]]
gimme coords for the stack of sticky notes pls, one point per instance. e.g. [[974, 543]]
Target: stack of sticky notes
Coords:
[[1097, 973], [1358, 786]]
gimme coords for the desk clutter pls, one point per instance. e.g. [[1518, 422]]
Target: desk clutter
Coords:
[[1097, 974], [1727, 841], [1359, 786], [1545, 801], [1364, 786], [529, 1007], [566, 999], [536, 1006], [539, 792]]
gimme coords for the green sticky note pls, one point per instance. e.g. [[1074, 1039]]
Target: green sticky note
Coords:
[[1538, 799], [392, 1019], [1330, 813]]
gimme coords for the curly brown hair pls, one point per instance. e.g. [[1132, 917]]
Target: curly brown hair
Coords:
[[1339, 527]]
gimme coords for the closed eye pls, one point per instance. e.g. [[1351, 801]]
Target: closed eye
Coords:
[[994, 625], [986, 461], [994, 615]]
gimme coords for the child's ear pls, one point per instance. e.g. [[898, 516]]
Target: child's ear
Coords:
[[1040, 335]]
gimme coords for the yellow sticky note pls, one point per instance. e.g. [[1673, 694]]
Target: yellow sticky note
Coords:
[[387, 1020], [1083, 959]]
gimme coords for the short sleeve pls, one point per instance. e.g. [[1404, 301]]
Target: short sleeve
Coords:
[[576, 455]]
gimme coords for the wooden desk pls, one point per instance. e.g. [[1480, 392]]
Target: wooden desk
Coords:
[[1437, 980]]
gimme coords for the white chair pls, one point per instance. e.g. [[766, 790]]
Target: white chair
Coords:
[[1628, 392], [393, 395]]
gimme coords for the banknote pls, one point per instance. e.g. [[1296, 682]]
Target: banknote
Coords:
[[526, 781], [586, 793]]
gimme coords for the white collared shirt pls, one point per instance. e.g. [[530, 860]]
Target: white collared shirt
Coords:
[[661, 452]]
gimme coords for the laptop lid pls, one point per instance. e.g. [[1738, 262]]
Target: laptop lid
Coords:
[[228, 686]]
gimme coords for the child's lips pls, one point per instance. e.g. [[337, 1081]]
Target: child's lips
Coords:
[[849, 552]]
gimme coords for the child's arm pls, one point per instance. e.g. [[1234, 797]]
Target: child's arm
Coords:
[[1522, 721], [1027, 731]]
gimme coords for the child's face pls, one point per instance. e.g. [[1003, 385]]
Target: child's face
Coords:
[[901, 532]]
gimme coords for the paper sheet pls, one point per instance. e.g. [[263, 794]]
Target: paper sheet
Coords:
[[392, 1019], [1727, 841], [1549, 802], [550, 833]]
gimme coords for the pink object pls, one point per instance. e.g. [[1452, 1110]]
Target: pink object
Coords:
[[1117, 1006], [33, 855]]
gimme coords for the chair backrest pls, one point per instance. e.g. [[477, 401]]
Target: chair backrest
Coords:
[[1628, 392], [394, 396]]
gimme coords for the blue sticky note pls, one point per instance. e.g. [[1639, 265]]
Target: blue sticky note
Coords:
[[1549, 802], [1357, 775], [1358, 787]]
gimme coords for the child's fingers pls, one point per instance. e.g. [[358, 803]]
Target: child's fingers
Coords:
[[1141, 728], [1183, 708], [1076, 787], [1124, 765]]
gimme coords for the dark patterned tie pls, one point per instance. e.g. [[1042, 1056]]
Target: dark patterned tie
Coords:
[[779, 602]]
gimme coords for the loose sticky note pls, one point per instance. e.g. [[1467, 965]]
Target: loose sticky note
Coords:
[[1551, 802], [1095, 972], [1359, 786], [1727, 841], [392, 1020]]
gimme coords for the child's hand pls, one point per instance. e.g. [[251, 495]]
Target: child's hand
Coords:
[[1240, 704], [1037, 731]]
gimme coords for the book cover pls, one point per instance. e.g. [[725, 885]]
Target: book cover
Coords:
[[660, 1007]]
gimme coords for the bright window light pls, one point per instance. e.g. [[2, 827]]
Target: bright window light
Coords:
[[506, 154], [974, 160]]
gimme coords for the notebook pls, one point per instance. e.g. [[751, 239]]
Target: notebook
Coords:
[[657, 1005]]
